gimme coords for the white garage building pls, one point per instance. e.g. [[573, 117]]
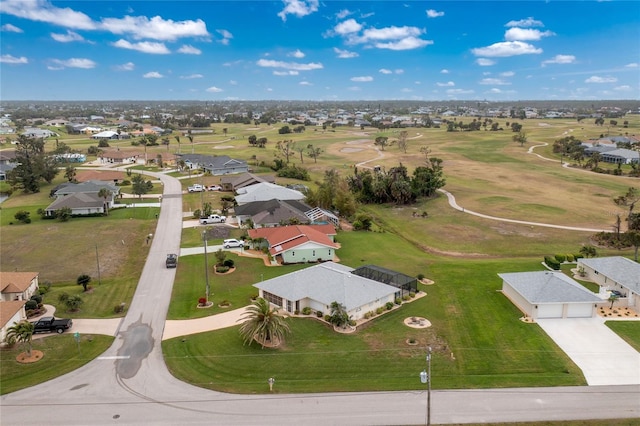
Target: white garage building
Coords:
[[615, 273], [547, 294]]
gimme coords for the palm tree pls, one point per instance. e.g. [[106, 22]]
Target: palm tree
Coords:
[[339, 316], [105, 193], [263, 324], [21, 332], [177, 138]]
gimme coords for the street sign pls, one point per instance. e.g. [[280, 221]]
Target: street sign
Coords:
[[76, 336]]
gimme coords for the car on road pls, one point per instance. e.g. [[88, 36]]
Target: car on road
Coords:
[[172, 260], [232, 243]]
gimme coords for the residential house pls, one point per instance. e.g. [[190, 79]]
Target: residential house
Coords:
[[7, 163], [549, 294], [266, 191], [232, 183], [11, 312], [16, 288], [614, 273], [216, 165], [115, 156], [34, 132], [106, 135], [297, 243], [82, 198], [272, 213], [319, 286]]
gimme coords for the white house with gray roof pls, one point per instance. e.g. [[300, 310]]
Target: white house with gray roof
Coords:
[[317, 287], [548, 294], [266, 191], [615, 273]]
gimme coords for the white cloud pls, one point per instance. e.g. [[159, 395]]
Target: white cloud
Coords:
[[362, 78], [431, 13], [305, 83], [349, 26], [345, 54], [399, 71], [623, 88], [354, 89], [507, 74], [296, 54], [8, 59], [43, 11], [404, 44], [156, 28], [11, 28], [506, 49], [191, 76], [214, 89], [298, 8], [484, 62], [459, 91], [447, 84], [494, 90], [233, 82], [529, 22], [226, 36], [560, 59], [493, 82], [596, 79], [385, 71], [406, 90], [285, 73], [153, 74], [390, 33], [444, 71], [68, 37], [343, 13], [143, 46], [129, 66], [632, 65], [516, 33], [268, 63], [73, 63], [189, 50]]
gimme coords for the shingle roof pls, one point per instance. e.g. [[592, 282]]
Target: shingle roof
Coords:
[[327, 283], [548, 287], [265, 191], [77, 201], [16, 282], [8, 309], [283, 238], [624, 271]]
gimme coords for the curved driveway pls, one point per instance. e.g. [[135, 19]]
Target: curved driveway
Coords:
[[130, 384]]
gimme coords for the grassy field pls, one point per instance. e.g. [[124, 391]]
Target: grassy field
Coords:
[[61, 355], [628, 330], [478, 339]]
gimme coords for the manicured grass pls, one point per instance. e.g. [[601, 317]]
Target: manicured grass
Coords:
[[628, 330], [61, 356], [477, 338]]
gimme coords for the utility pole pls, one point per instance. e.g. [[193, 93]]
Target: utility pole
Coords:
[[98, 263], [206, 267]]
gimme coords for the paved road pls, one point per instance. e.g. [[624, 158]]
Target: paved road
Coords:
[[129, 384]]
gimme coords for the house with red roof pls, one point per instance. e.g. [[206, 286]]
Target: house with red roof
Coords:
[[297, 243]]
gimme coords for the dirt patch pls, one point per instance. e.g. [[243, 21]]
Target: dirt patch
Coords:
[[36, 356], [358, 142], [223, 147], [351, 150]]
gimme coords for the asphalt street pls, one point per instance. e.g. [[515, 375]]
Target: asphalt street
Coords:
[[129, 384]]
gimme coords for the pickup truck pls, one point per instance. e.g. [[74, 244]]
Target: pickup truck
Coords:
[[172, 260], [195, 188], [50, 324], [214, 218]]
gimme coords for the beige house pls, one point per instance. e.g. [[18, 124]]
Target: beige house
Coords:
[[15, 289]]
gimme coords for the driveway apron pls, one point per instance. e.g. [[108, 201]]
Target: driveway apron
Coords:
[[603, 357]]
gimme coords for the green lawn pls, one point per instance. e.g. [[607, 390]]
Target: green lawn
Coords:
[[61, 355], [628, 330]]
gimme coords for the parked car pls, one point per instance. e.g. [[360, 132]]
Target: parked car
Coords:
[[195, 188], [214, 188], [214, 218], [616, 293], [232, 243], [51, 324], [172, 260]]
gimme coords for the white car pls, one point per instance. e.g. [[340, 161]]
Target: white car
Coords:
[[214, 188], [232, 243], [196, 188]]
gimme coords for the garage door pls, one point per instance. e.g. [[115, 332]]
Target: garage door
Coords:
[[579, 310], [550, 311]]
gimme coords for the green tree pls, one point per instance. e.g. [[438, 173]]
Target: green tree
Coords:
[[629, 200], [402, 140], [263, 324], [339, 316], [177, 138], [64, 214], [73, 303], [140, 186], [70, 173], [588, 251], [32, 165], [21, 332], [381, 141], [285, 149], [84, 281], [633, 237], [612, 299], [520, 137], [104, 193], [314, 152], [22, 216]]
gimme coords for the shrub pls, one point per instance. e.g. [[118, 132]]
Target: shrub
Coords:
[[118, 309], [306, 310], [197, 213], [406, 297], [229, 263], [202, 301], [398, 301], [352, 323], [560, 257], [222, 269], [319, 314], [379, 310], [389, 306], [552, 263], [327, 318], [296, 312], [23, 216], [37, 298], [412, 294], [420, 277], [570, 258], [368, 315], [31, 304]]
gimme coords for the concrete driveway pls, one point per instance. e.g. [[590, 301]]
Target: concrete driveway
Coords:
[[603, 357]]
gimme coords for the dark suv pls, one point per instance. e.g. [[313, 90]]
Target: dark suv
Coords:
[[172, 260]]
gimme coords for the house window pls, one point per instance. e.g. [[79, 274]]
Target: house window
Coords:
[[313, 253], [293, 253], [289, 306], [272, 298], [329, 252]]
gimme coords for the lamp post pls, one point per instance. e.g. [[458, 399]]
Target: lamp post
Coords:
[[425, 377], [206, 267]]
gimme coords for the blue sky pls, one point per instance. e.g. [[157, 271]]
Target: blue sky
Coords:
[[319, 50]]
